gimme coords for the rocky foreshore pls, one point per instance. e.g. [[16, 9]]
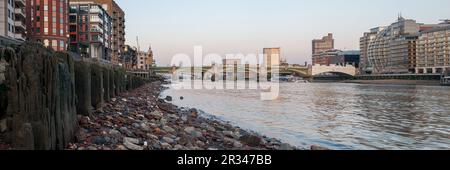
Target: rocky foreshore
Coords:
[[139, 120]]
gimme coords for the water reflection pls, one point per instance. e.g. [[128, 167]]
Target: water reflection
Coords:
[[339, 116]]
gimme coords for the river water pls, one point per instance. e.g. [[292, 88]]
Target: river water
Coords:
[[335, 115]]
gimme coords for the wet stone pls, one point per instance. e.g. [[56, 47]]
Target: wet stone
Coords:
[[98, 140], [251, 140], [168, 140], [168, 129]]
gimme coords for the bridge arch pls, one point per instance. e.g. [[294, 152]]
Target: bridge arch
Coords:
[[344, 70]]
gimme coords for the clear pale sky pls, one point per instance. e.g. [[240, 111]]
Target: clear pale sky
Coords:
[[248, 26]]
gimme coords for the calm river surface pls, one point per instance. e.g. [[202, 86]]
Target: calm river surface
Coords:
[[335, 115]]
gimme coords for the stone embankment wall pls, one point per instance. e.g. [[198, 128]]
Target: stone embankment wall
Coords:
[[42, 91]]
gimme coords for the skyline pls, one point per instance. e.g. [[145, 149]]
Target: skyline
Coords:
[[233, 26]]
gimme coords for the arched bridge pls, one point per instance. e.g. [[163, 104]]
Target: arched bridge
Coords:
[[304, 71], [337, 69]]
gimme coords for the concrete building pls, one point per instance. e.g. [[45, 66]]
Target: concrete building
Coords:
[[145, 59], [12, 19], [328, 57], [322, 45], [433, 50], [46, 22], [90, 30], [118, 26], [391, 50], [365, 65], [272, 56], [338, 57]]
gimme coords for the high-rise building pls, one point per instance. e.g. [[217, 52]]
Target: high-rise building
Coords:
[[47, 22], [12, 19], [322, 45], [90, 30], [433, 50], [365, 65], [393, 49], [272, 57], [118, 26]]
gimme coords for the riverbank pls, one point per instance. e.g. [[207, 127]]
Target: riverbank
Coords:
[[139, 120], [396, 82]]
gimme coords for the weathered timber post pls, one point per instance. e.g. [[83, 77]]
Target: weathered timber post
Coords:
[[97, 86], [83, 87]]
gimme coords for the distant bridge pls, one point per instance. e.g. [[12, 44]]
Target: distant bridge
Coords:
[[348, 70], [302, 71]]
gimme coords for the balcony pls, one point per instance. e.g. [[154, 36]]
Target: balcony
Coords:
[[95, 10], [96, 30], [19, 12], [20, 3], [19, 36], [97, 20], [19, 25]]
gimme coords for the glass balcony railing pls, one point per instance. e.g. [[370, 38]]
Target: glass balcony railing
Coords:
[[96, 30]]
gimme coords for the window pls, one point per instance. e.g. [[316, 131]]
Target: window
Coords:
[[45, 7], [61, 44], [46, 43]]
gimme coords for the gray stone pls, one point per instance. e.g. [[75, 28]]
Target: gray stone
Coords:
[[189, 130], [121, 147], [166, 145], [132, 146], [114, 133], [126, 131], [228, 141], [184, 118], [99, 140], [145, 127], [169, 98], [229, 134], [91, 148], [168, 129], [251, 140], [136, 125], [156, 114], [286, 147], [178, 147], [237, 144], [150, 136], [131, 140], [200, 143], [163, 121], [168, 140]]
